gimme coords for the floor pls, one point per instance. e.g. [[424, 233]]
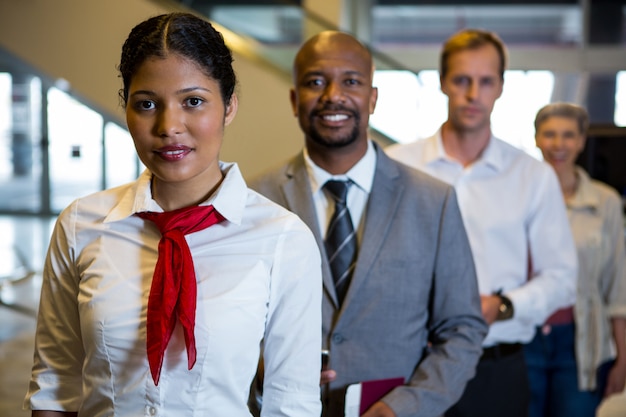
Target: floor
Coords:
[[23, 243]]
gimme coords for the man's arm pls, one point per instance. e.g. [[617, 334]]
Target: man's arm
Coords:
[[552, 283], [490, 305], [456, 325]]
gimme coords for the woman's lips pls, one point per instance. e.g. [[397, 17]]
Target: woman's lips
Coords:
[[173, 152]]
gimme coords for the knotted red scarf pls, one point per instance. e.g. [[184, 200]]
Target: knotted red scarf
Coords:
[[173, 290]]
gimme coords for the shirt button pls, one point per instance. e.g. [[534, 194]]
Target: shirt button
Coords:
[[337, 338], [151, 410]]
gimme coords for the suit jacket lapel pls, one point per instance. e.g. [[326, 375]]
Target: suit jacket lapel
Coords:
[[381, 205], [297, 192]]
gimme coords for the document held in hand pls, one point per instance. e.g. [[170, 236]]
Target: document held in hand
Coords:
[[361, 396]]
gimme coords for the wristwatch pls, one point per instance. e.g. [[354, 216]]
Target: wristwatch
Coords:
[[505, 310]]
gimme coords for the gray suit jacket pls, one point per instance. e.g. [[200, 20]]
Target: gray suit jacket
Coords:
[[412, 308]]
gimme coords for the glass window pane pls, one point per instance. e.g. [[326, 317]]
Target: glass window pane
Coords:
[[75, 149], [20, 151], [6, 164], [524, 93], [409, 106], [122, 163], [620, 99]]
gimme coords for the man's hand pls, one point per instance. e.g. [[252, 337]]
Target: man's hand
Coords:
[[379, 409], [490, 305], [327, 376]]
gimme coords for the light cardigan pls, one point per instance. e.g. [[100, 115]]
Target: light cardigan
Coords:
[[596, 217]]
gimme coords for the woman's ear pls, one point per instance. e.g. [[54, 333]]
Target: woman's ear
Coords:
[[231, 109]]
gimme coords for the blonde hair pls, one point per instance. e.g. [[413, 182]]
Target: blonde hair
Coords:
[[471, 39]]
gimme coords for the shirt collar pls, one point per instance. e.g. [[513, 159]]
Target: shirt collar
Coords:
[[362, 173], [492, 155], [585, 196], [229, 199]]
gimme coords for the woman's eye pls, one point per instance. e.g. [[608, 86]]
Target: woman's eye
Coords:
[[145, 105], [194, 102]]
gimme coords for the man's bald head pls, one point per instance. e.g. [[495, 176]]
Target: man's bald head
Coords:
[[333, 97], [331, 41]]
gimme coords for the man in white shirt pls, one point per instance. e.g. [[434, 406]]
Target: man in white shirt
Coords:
[[514, 215]]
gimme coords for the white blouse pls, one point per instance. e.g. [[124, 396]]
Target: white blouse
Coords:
[[258, 275]]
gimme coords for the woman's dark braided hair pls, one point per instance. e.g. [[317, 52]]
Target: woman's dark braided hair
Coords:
[[184, 34]]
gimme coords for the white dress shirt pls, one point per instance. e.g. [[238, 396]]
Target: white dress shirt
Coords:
[[515, 217], [362, 176], [258, 275]]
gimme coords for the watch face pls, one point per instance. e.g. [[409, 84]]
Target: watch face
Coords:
[[506, 308]]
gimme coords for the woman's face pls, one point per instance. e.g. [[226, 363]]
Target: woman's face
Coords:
[[176, 117], [560, 141]]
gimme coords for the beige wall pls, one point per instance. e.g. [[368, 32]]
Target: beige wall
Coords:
[[80, 41]]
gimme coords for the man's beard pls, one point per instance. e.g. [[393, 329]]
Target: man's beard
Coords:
[[335, 141]]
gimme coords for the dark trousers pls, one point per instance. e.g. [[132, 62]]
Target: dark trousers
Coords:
[[500, 387]]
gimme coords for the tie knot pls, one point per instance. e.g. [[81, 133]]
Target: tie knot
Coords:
[[338, 189], [184, 220]]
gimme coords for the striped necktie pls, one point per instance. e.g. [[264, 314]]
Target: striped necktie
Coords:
[[341, 246]]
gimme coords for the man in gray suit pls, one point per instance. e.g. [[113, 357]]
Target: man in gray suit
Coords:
[[411, 308]]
